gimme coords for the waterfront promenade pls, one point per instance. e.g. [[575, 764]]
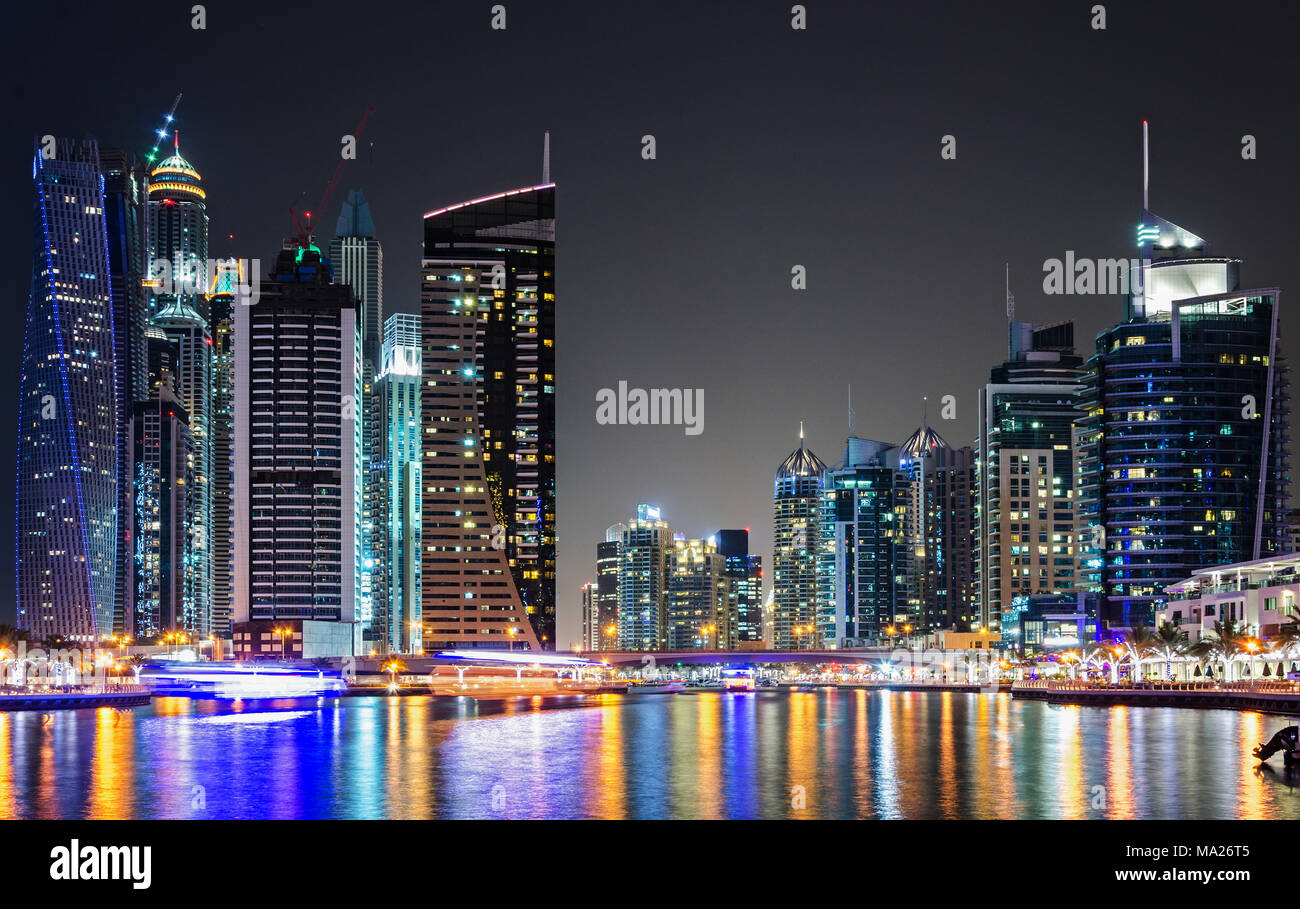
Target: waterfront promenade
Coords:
[[1267, 696]]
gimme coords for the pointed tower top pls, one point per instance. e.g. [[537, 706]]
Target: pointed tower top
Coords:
[[801, 433], [1011, 301], [546, 157], [1146, 172], [853, 420]]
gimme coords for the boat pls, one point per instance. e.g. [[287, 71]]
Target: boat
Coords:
[[241, 680], [738, 680], [666, 686]]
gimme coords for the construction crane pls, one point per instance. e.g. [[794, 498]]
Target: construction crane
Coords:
[[161, 132], [302, 221]]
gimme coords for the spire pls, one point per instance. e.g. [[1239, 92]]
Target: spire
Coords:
[[852, 417], [176, 140], [925, 424], [801, 433], [1011, 301], [1146, 171], [546, 157]]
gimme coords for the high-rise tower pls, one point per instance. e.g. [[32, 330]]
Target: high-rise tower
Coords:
[[66, 535], [489, 268], [796, 519]]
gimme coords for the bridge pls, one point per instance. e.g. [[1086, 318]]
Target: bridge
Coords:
[[737, 657]]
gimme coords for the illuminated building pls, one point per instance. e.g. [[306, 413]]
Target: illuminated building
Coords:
[[696, 616], [742, 576], [949, 583], [178, 243], [590, 617], [609, 554], [489, 279], [395, 464], [193, 371], [643, 580], [126, 215], [296, 500], [358, 261], [221, 326], [161, 594], [863, 546], [796, 520], [1024, 476], [1040, 623], [1183, 455], [66, 534]]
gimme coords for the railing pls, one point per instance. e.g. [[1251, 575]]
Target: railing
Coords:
[[1258, 687], [68, 690]]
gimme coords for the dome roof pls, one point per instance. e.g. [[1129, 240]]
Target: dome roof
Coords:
[[925, 441], [175, 178], [801, 463]]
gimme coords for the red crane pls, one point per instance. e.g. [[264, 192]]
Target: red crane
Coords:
[[302, 222]]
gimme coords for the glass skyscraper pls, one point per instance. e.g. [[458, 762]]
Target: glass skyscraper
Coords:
[[491, 263], [395, 462], [1185, 407], [66, 534]]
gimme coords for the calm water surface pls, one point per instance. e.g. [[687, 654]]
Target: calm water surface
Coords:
[[699, 755]]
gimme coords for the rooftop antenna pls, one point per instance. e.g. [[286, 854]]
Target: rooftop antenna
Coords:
[[801, 433], [852, 417], [546, 157], [1146, 170], [924, 417], [1011, 301]]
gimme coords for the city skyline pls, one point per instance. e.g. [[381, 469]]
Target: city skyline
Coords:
[[1072, 182]]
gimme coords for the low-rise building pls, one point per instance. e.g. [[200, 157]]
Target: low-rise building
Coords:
[[1259, 597]]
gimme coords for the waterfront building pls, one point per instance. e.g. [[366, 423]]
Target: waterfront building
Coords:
[[1258, 596], [949, 543], [1183, 423], [864, 546], [1025, 471], [193, 372], [126, 217], [1040, 623], [590, 618], [357, 259], [66, 532], [643, 580], [797, 523], [742, 578], [396, 502], [697, 616], [489, 278], [296, 499], [609, 555], [221, 327], [161, 593]]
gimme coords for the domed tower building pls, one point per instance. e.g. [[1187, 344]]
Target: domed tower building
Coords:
[[796, 523]]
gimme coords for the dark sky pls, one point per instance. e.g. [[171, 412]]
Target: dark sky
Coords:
[[775, 148]]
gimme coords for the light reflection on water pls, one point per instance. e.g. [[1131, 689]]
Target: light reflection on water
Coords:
[[707, 755]]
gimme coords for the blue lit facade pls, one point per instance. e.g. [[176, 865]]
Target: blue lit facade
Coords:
[[66, 534], [1183, 449]]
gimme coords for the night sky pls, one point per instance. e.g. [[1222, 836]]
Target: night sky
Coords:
[[775, 148]]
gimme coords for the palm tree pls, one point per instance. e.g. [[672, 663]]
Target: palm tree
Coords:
[[1225, 647], [1138, 644], [1167, 643]]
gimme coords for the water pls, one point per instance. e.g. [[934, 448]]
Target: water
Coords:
[[699, 755]]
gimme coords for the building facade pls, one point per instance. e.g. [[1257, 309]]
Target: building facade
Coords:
[[1183, 420], [296, 500], [797, 522], [66, 533], [1025, 472], [490, 263], [644, 551]]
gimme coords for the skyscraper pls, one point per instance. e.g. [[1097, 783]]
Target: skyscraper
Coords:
[[863, 546], [126, 214], [221, 327], [609, 554], [742, 576], [490, 264], [178, 233], [193, 372], [1025, 485], [1184, 414], [696, 616], [395, 463], [358, 261], [66, 534], [296, 499], [950, 540], [643, 580], [161, 595], [796, 519]]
